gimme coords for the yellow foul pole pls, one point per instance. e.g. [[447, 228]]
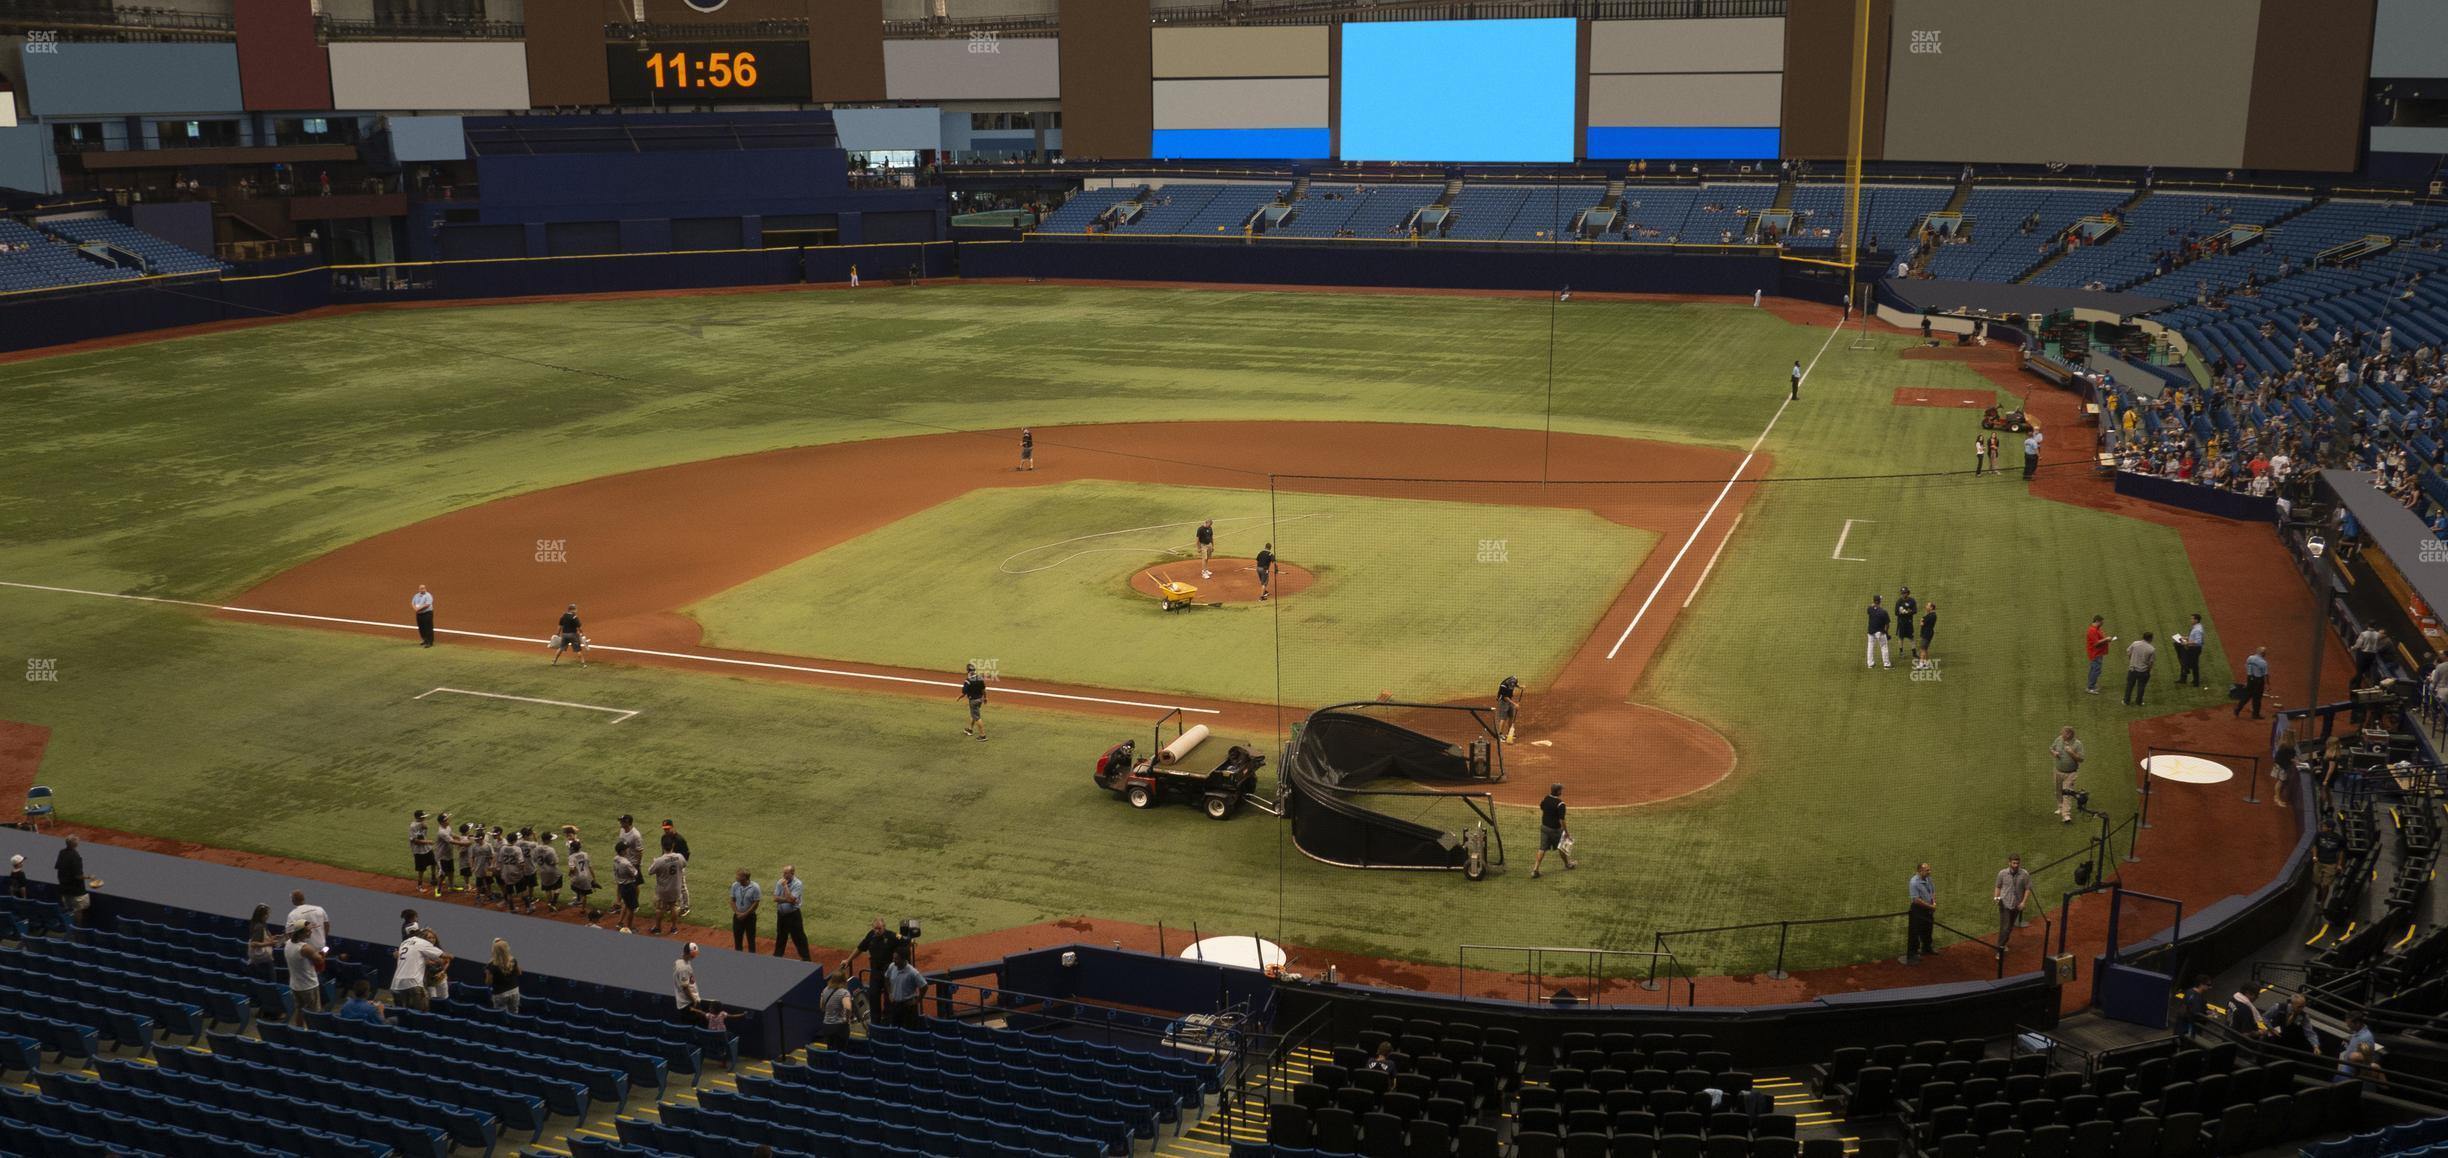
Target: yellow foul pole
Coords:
[[1853, 145]]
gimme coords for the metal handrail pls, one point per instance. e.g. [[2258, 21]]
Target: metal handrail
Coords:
[[1534, 973]]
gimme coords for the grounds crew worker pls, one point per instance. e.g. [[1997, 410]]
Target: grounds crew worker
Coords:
[[1508, 703], [973, 689]]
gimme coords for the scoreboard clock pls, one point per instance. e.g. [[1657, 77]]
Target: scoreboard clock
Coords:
[[708, 72]]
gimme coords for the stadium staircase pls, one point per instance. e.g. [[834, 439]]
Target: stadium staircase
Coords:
[[2123, 215], [1955, 204]]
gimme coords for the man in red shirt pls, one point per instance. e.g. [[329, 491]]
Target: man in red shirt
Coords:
[[2095, 647]]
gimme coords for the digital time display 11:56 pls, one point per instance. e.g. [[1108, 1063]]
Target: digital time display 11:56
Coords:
[[704, 73], [714, 70]]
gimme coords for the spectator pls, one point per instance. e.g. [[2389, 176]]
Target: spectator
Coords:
[[838, 1005], [1382, 1061], [414, 956], [2193, 1008], [317, 922], [745, 898], [263, 945], [684, 981], [2359, 1035], [437, 980], [502, 977], [2363, 1064], [18, 886], [72, 894], [2244, 1017], [306, 965], [360, 1005]]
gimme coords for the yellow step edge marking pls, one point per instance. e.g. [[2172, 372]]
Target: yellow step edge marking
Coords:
[[2316, 937], [593, 1134], [2410, 931]]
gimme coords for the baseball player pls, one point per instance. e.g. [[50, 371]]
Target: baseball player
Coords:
[[482, 855], [1028, 449], [1266, 569], [510, 860], [547, 861], [569, 638], [1206, 548], [1876, 649]]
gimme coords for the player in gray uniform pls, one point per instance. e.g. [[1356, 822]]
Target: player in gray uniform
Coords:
[[481, 853], [510, 860], [463, 842], [629, 842], [446, 852], [581, 876], [548, 871], [625, 888], [666, 871], [421, 851]]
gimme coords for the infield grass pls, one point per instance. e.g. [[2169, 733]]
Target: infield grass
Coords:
[[1036, 579]]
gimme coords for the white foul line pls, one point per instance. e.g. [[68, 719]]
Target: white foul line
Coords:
[[1728, 489], [681, 655], [619, 714], [1847, 533], [1712, 563]]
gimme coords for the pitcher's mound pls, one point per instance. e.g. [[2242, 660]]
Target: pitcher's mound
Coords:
[[1235, 581]]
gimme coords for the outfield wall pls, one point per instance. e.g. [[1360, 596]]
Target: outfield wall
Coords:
[[1427, 266], [276, 290]]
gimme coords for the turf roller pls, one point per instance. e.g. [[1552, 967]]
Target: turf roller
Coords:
[[1182, 745]]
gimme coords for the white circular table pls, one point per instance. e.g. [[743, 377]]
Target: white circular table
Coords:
[[1244, 952], [2188, 769]]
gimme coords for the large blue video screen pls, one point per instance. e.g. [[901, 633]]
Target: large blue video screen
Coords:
[[1458, 90]]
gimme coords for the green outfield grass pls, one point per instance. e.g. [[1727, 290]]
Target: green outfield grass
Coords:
[[192, 468], [1037, 580]]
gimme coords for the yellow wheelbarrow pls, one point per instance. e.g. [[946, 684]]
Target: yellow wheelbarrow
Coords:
[[1174, 595]]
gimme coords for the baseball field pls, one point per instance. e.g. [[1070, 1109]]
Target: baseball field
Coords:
[[791, 519]]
